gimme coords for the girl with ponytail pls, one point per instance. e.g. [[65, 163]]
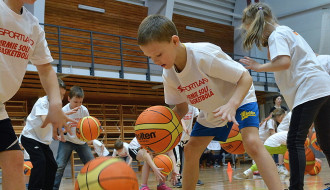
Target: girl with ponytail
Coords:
[[302, 81]]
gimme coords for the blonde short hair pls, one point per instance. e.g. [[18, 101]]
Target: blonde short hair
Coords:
[[156, 28]]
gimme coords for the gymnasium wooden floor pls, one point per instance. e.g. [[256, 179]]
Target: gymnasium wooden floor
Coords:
[[217, 179]]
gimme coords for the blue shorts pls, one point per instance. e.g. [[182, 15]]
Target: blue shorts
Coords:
[[247, 116]]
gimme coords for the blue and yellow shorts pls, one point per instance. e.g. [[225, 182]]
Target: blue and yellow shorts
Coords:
[[247, 116]]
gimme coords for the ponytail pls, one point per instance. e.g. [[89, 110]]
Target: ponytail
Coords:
[[255, 32], [255, 17]]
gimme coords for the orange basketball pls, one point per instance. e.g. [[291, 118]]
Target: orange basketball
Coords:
[[286, 160], [158, 129], [234, 143], [27, 168], [310, 160], [314, 142], [307, 142], [106, 173], [88, 128], [165, 162], [317, 169]]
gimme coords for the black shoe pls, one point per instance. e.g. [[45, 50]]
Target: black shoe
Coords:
[[199, 183]]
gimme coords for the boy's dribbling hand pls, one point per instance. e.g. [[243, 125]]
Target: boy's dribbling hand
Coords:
[[58, 119], [159, 176], [226, 112], [174, 178]]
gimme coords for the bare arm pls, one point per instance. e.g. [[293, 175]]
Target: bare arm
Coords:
[[279, 63], [181, 109], [43, 118], [185, 129], [114, 154], [175, 171], [102, 149], [271, 132], [55, 115], [130, 159], [228, 111], [144, 156]]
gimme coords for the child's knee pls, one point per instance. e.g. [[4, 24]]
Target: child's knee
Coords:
[[252, 146], [141, 155]]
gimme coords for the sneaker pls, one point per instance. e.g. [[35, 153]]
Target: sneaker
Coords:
[[163, 186], [144, 188], [282, 170], [199, 183], [247, 173], [178, 185], [216, 165]]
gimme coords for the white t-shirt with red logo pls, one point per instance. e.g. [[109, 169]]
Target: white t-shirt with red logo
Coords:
[[207, 82], [188, 121], [82, 112], [21, 40]]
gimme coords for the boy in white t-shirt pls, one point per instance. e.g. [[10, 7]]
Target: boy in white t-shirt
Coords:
[[76, 111], [202, 75], [302, 80], [36, 141], [22, 40], [121, 148], [99, 148]]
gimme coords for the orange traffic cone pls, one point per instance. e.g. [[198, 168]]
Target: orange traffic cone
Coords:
[[229, 172]]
